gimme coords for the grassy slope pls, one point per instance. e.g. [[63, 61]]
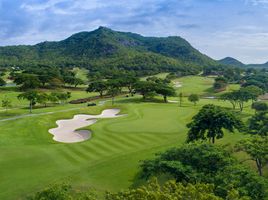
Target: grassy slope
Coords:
[[21, 106], [81, 73], [30, 159], [199, 85]]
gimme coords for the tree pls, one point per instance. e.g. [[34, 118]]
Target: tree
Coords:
[[243, 96], [114, 88], [129, 80], [27, 81], [259, 106], [31, 96], [253, 92], [169, 190], [193, 98], [210, 121], [232, 97], [61, 96], [6, 103], [53, 97], [181, 98], [98, 86], [207, 164], [258, 124], [238, 97], [165, 91], [220, 83], [63, 191], [55, 82], [78, 81], [145, 88], [2, 82], [257, 148], [42, 98]]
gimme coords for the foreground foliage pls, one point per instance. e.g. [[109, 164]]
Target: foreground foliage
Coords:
[[257, 148], [207, 163]]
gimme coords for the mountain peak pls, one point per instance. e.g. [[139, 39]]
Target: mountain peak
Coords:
[[231, 62]]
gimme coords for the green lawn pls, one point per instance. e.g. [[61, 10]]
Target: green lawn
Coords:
[[20, 107], [31, 160], [81, 73], [199, 85], [160, 75]]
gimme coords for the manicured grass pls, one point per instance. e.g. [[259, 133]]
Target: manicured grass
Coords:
[[30, 160], [20, 107], [199, 85]]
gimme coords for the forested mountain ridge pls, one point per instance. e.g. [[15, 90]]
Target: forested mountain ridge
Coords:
[[105, 48], [231, 62]]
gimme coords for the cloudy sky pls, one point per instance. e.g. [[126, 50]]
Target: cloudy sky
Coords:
[[218, 28]]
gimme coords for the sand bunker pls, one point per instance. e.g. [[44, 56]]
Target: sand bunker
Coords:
[[67, 132], [177, 84]]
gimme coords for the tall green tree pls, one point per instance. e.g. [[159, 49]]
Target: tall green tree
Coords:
[[6, 103], [257, 148], [210, 122], [253, 91], [145, 88], [207, 163], [258, 124], [42, 98], [232, 97], [31, 96], [193, 98], [98, 86], [165, 91], [114, 88], [220, 84], [27, 81]]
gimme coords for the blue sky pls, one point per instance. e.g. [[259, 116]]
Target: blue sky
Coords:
[[218, 28]]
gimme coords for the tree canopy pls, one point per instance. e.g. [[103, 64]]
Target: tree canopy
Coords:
[[209, 123]]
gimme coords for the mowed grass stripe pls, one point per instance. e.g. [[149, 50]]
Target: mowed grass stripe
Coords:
[[121, 141], [102, 147], [79, 152], [68, 156], [90, 149], [116, 143]]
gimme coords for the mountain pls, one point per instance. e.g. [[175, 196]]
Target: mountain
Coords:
[[265, 65], [231, 62], [104, 49]]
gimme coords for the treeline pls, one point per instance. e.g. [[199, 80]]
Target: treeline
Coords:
[[43, 98], [44, 76], [148, 89]]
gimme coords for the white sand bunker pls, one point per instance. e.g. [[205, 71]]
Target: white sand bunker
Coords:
[[67, 132], [177, 84]]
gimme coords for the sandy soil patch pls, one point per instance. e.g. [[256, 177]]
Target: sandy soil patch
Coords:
[[177, 84], [67, 132]]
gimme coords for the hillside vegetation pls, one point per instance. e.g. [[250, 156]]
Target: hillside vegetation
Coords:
[[105, 49]]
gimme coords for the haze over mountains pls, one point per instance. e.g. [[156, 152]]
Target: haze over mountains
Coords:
[[105, 48], [236, 63]]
